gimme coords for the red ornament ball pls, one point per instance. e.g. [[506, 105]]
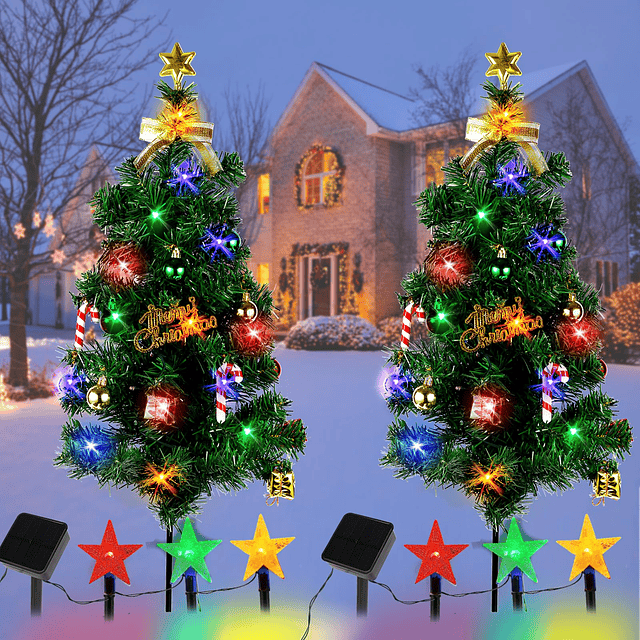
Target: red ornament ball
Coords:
[[123, 265], [163, 407], [488, 407], [448, 265], [579, 338], [253, 339]]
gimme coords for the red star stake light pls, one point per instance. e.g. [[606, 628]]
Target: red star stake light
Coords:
[[109, 555], [436, 556]]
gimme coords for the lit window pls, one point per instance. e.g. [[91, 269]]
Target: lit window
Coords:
[[263, 273], [319, 177], [434, 160], [263, 193]]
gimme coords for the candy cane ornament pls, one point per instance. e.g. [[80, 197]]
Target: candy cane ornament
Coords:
[[552, 374], [81, 318], [226, 373], [409, 310]]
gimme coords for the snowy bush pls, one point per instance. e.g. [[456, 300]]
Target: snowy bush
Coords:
[[392, 329], [328, 333]]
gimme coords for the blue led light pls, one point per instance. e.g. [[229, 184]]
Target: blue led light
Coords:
[[510, 176], [69, 384], [220, 240], [184, 176], [397, 383], [546, 242], [418, 447], [92, 447]]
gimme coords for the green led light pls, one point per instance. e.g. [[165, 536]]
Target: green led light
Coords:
[[155, 214], [247, 431], [442, 316], [573, 431], [481, 214], [115, 316]]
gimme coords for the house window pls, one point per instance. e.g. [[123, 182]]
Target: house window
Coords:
[[263, 273], [264, 193], [319, 175], [434, 160], [606, 276]]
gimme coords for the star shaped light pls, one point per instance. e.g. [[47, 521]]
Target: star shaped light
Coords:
[[588, 550], [515, 552], [503, 64], [109, 555], [19, 230], [436, 556], [189, 552], [177, 64], [58, 256], [262, 550]]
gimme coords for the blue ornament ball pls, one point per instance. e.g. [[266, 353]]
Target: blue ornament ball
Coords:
[[69, 383]]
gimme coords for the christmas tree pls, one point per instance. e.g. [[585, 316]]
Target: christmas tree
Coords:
[[510, 377], [183, 382]]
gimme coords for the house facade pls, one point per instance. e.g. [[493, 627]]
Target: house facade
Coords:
[[338, 228]]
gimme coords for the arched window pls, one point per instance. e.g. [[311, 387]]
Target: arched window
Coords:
[[319, 177]]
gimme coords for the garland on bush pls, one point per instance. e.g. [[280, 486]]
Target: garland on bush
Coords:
[[334, 184], [285, 295]]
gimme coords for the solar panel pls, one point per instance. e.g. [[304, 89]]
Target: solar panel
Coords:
[[34, 545], [360, 545]]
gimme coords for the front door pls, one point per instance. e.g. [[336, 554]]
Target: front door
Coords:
[[318, 286]]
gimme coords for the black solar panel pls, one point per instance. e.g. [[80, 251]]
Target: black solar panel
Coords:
[[360, 545], [34, 545]]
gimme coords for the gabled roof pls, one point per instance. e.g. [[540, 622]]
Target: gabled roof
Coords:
[[389, 114]]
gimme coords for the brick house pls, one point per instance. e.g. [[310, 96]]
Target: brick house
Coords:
[[337, 226]]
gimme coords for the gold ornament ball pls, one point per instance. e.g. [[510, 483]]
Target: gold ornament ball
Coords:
[[98, 396], [247, 311], [424, 397], [573, 309]]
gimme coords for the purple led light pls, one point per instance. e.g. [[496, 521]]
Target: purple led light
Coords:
[[184, 175], [510, 174]]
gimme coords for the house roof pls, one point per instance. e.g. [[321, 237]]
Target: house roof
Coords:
[[390, 114]]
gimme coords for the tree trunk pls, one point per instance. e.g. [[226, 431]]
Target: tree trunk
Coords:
[[18, 332]]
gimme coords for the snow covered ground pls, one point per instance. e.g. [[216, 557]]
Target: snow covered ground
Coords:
[[335, 394]]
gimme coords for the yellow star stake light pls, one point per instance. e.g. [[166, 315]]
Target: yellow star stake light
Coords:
[[588, 550], [177, 64], [262, 550], [503, 64]]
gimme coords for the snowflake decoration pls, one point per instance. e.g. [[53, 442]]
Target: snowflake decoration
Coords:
[[215, 240], [545, 241], [510, 175], [58, 256], [49, 226], [184, 177], [19, 230]]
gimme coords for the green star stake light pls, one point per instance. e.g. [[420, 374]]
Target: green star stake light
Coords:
[[515, 552], [189, 552]]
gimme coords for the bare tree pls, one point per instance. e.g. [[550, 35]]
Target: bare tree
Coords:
[[66, 86], [245, 128], [597, 198], [446, 95]]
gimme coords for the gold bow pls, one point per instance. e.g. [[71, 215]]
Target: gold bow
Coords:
[[162, 132], [487, 132]]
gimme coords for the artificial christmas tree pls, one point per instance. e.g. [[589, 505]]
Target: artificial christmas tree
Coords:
[[514, 329], [188, 330]]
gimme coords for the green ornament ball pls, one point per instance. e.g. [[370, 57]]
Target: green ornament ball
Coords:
[[175, 269], [501, 269]]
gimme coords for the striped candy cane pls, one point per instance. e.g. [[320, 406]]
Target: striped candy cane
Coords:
[[225, 374], [409, 310], [85, 308], [549, 381]]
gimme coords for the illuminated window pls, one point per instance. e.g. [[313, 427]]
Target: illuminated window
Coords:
[[434, 161], [319, 177], [263, 193], [263, 273]]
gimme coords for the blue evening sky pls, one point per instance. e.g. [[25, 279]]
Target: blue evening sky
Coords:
[[245, 42]]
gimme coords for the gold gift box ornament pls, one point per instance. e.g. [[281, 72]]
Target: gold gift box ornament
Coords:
[[606, 485], [281, 485]]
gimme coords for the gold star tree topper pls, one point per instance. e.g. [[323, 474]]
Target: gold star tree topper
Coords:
[[177, 64], [262, 550], [588, 550], [503, 64]]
